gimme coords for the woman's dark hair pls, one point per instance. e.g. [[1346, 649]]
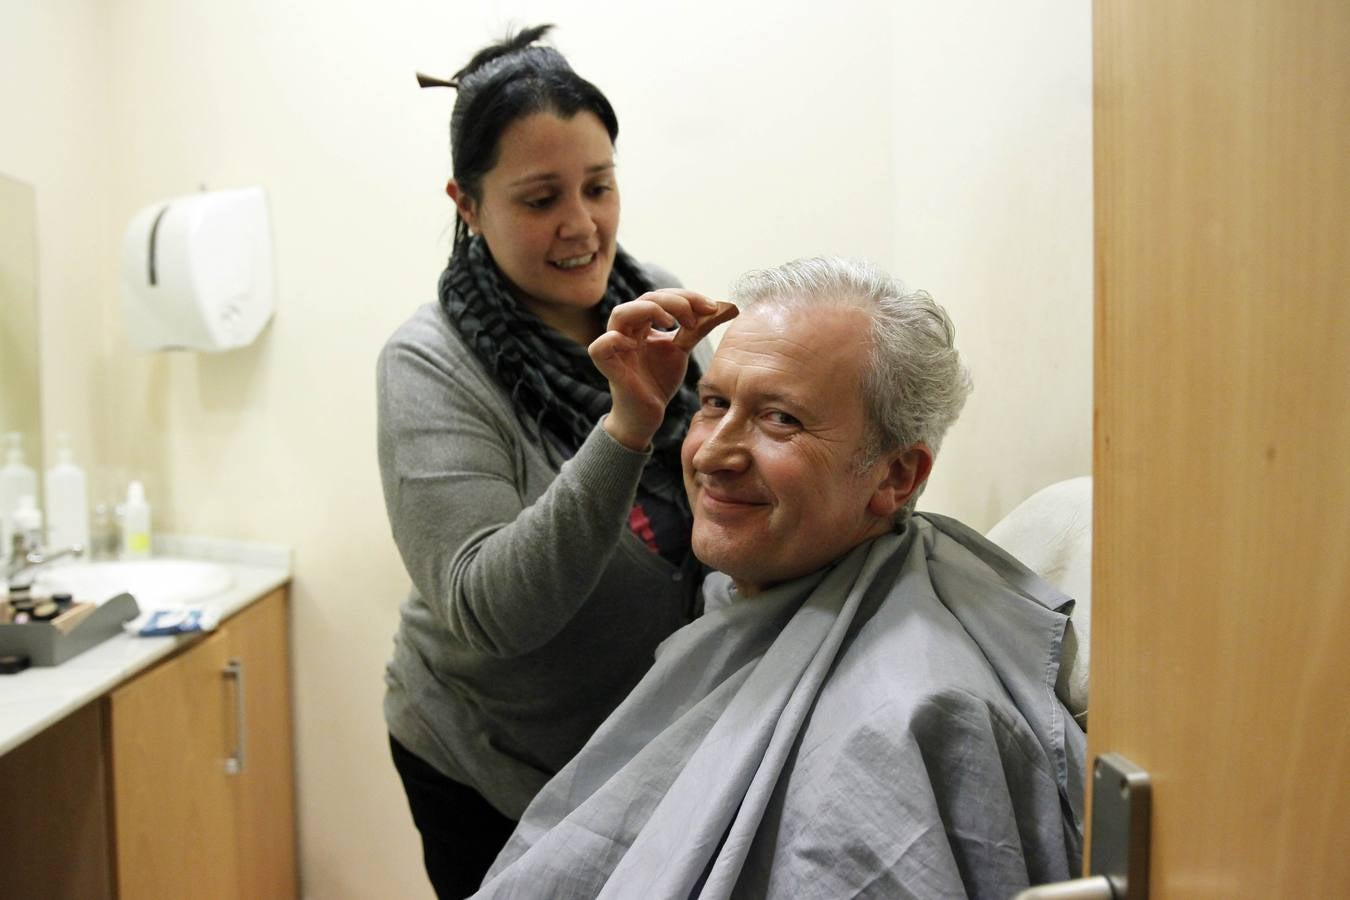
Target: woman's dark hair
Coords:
[[505, 82]]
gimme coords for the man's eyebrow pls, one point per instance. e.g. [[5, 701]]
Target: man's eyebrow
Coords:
[[545, 177], [785, 399], [707, 386]]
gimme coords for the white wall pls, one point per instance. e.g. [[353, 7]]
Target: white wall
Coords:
[[748, 136], [993, 138]]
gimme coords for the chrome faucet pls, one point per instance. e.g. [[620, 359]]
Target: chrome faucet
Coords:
[[27, 556]]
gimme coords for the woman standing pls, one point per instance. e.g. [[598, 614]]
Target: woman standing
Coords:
[[546, 534]]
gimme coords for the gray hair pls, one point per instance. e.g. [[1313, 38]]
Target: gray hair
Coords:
[[914, 384]]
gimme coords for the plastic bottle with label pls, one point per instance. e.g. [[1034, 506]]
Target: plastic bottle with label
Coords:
[[135, 523]]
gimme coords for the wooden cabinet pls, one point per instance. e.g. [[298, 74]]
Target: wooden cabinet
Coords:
[[173, 813], [200, 762], [178, 783], [54, 809]]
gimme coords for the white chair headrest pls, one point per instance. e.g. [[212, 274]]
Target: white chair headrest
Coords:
[[1051, 533]]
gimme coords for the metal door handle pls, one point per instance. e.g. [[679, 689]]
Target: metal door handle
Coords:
[[1122, 807], [1098, 887], [234, 671]]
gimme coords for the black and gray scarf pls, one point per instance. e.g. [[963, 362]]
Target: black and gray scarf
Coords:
[[552, 382]]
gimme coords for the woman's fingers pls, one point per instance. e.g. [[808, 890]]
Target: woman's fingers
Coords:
[[638, 316], [721, 312], [611, 345], [658, 313], [645, 355], [663, 309]]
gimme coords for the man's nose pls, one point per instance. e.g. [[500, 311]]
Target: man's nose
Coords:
[[724, 449], [577, 221]]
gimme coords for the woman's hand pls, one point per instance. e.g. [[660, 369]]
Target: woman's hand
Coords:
[[645, 366]]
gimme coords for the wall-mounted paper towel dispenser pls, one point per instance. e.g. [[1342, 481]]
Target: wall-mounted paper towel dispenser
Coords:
[[197, 271]]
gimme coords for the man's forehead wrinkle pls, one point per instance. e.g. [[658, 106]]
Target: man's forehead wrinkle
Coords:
[[780, 354], [771, 333], [756, 363]]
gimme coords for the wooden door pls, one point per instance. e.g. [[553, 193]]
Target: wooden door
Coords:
[[171, 731], [1221, 602], [265, 791]]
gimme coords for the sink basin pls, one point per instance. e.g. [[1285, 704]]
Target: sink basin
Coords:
[[155, 583]]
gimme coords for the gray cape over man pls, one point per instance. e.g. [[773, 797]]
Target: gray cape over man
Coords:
[[886, 727]]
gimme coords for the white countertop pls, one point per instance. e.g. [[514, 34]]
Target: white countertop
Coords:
[[40, 696]]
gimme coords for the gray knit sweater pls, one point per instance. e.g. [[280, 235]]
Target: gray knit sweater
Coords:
[[534, 608]]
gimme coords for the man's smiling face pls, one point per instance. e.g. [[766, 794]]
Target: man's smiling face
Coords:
[[770, 461]]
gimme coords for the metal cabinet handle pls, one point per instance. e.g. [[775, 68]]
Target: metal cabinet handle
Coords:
[[234, 671], [1098, 887]]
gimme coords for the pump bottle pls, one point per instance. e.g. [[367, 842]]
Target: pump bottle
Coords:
[[16, 480], [67, 498]]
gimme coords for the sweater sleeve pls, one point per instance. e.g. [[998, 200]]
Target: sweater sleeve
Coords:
[[504, 576]]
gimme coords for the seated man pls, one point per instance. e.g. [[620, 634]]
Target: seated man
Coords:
[[867, 708]]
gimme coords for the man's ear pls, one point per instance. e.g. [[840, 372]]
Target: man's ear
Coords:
[[904, 473], [468, 210]]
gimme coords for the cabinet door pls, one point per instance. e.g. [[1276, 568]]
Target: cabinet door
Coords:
[[171, 730], [54, 811], [264, 787]]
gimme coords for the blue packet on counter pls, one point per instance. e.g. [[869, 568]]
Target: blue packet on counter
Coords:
[[178, 620]]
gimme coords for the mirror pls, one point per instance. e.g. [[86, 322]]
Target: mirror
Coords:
[[20, 408]]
